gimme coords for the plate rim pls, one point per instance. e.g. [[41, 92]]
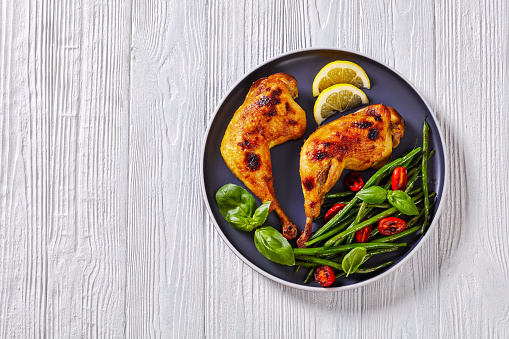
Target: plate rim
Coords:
[[371, 280]]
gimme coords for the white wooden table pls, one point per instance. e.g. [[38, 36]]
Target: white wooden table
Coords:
[[103, 107]]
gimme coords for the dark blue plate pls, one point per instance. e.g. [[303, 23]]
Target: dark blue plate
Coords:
[[387, 87]]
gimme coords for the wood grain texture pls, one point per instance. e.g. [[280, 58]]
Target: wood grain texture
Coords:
[[103, 108]]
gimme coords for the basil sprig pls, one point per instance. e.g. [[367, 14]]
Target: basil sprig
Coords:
[[402, 202], [238, 207], [372, 195], [353, 260], [399, 199], [274, 246]]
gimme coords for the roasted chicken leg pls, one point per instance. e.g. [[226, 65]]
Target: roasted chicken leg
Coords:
[[356, 141], [268, 117]]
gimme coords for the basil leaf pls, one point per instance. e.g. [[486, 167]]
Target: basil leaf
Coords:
[[402, 202], [274, 246], [261, 213], [353, 260], [240, 222], [372, 195], [237, 206], [232, 196]]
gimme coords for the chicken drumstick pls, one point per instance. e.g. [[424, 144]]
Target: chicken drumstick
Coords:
[[356, 141], [268, 117]]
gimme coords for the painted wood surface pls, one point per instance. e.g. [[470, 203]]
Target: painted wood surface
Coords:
[[103, 108]]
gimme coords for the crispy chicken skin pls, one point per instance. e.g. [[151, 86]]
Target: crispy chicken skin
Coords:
[[356, 141], [268, 117]]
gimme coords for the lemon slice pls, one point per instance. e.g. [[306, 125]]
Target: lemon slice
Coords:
[[340, 72], [338, 98]]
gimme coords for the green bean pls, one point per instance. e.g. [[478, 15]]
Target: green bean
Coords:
[[411, 169], [374, 178], [397, 236], [321, 261], [322, 251], [360, 225], [388, 168], [389, 173], [310, 274], [414, 219], [415, 191], [339, 195], [379, 251], [367, 222], [327, 206], [358, 219], [408, 151], [411, 222], [336, 219], [334, 203], [416, 162], [387, 184], [406, 163], [382, 206], [333, 231], [413, 175], [362, 208], [340, 242], [358, 204], [340, 274], [311, 261], [313, 267], [320, 216], [419, 199], [306, 264], [361, 212], [424, 170], [315, 262], [374, 233], [372, 269], [368, 212]]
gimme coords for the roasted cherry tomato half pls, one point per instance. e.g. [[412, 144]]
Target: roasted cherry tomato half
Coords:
[[391, 225], [399, 179], [362, 235], [353, 181], [324, 276], [332, 212]]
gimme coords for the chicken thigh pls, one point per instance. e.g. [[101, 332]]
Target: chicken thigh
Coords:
[[356, 141], [268, 117]]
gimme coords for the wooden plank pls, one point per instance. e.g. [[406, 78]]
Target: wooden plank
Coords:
[[19, 285], [103, 37], [473, 256], [165, 243]]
